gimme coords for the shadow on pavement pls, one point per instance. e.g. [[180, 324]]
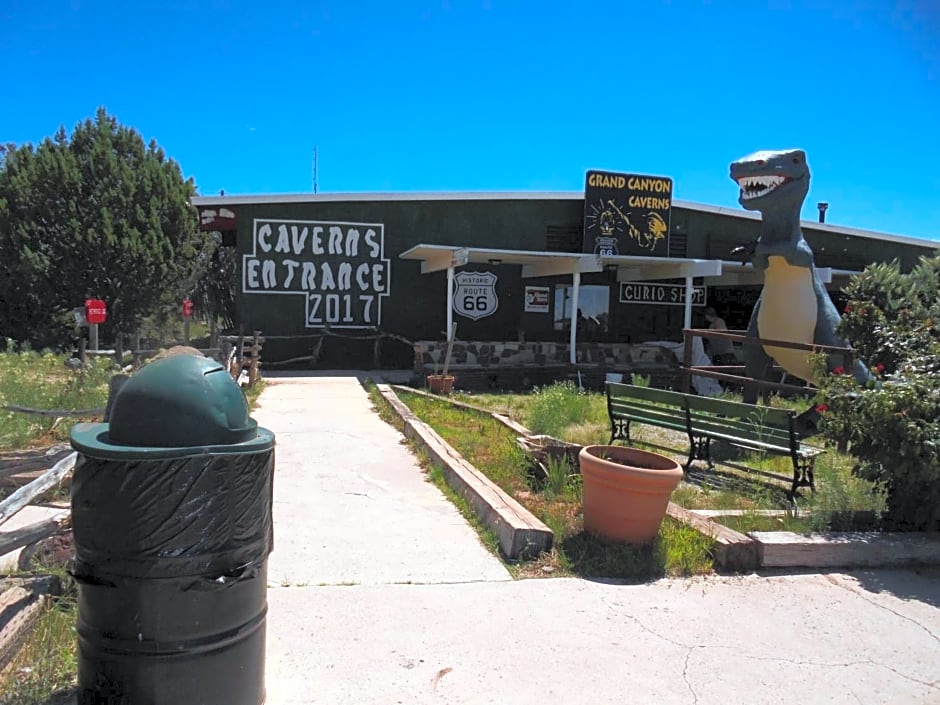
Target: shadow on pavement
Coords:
[[921, 584]]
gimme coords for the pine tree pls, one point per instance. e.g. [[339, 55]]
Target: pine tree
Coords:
[[95, 215]]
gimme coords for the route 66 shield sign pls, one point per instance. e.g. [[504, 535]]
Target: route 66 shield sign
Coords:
[[475, 295]]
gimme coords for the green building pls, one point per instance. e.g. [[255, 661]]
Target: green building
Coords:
[[534, 285]]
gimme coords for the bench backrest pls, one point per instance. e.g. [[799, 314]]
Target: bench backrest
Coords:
[[618, 390], [656, 406], [765, 424]]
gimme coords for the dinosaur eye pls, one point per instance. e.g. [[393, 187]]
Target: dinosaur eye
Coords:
[[796, 160], [761, 162]]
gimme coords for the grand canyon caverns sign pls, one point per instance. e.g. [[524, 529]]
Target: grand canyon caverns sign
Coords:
[[339, 268]]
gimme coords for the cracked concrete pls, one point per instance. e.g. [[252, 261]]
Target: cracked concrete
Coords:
[[391, 599]]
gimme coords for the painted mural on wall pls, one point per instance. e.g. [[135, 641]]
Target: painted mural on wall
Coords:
[[339, 268], [475, 294], [626, 214]]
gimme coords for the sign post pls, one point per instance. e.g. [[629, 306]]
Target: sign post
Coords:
[[96, 311], [187, 314]]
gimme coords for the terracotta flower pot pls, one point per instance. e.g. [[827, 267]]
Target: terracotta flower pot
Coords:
[[626, 491], [441, 384]]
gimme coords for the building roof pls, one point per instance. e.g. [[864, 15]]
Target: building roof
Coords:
[[262, 199]]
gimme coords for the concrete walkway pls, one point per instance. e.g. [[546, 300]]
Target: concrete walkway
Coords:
[[380, 593]]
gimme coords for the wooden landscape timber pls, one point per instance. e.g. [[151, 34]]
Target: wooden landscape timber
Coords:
[[732, 551], [26, 494], [20, 466], [31, 533], [846, 549], [521, 534]]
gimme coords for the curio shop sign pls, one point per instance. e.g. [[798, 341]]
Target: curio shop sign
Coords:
[[661, 294]]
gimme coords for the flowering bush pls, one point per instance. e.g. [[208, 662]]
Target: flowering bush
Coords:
[[893, 427]]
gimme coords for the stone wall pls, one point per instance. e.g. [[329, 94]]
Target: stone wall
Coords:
[[495, 360]]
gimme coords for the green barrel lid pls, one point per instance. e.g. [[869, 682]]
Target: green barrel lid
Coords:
[[179, 405]]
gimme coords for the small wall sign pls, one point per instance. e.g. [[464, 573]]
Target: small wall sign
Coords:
[[536, 299]]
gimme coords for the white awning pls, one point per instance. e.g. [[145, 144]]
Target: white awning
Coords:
[[435, 258]]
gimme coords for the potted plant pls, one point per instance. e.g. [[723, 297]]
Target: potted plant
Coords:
[[443, 383], [626, 491]]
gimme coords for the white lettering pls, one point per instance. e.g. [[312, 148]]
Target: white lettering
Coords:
[[378, 272], [268, 274], [344, 276], [263, 233], [283, 240], [326, 277], [362, 272], [299, 237], [291, 265], [352, 243], [367, 310], [252, 273], [336, 240], [317, 244], [308, 279], [374, 248], [314, 316]]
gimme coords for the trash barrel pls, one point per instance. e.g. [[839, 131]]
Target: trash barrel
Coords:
[[171, 517]]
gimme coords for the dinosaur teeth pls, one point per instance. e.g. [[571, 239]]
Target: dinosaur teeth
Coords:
[[757, 186]]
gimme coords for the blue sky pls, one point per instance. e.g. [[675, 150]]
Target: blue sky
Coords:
[[492, 95]]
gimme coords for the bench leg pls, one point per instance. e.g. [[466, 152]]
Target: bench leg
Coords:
[[700, 449], [803, 475], [620, 429]]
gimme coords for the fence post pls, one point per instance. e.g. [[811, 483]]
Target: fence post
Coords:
[[686, 361], [255, 361]]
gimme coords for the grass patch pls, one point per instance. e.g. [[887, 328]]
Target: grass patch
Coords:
[[47, 663], [42, 381]]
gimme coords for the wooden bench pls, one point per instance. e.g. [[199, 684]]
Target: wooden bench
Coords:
[[703, 419]]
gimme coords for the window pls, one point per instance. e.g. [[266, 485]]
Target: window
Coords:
[[593, 307]]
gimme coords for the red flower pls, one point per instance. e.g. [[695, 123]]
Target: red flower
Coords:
[[822, 408], [880, 367], [848, 308], [840, 370]]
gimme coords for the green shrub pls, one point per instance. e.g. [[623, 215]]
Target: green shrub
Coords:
[[893, 426], [557, 406]]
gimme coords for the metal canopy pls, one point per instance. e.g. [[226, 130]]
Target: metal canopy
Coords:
[[435, 258]]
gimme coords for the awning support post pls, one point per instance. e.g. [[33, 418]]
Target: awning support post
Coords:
[[576, 281]]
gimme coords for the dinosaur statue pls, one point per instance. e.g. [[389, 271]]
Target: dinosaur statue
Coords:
[[793, 305]]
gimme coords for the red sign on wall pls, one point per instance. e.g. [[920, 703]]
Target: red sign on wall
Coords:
[[96, 311], [187, 308]]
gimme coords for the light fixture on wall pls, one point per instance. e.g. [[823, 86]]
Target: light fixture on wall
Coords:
[[610, 267], [494, 261]]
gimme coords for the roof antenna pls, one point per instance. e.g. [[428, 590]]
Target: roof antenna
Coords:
[[315, 155], [823, 207]]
